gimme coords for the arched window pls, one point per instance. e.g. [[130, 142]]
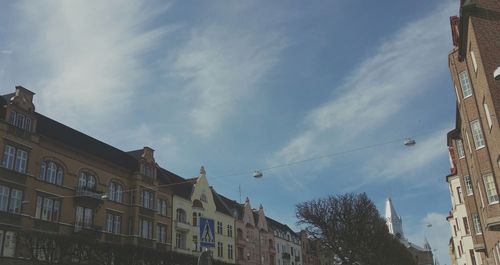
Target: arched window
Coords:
[[181, 215], [87, 181], [51, 172], [115, 192]]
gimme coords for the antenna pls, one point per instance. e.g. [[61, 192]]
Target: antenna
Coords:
[[239, 191]]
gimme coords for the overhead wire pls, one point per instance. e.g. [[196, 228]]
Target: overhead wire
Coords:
[[248, 172]]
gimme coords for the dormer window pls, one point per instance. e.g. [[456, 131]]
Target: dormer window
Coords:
[[148, 171], [20, 120]]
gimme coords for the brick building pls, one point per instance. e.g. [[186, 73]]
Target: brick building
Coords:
[[474, 144], [58, 184]]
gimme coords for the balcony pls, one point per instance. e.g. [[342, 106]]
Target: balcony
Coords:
[[89, 231], [113, 238], [11, 218], [45, 226], [286, 256], [297, 258], [18, 132], [147, 243], [84, 194], [479, 247], [13, 176], [493, 223], [147, 211], [182, 225]]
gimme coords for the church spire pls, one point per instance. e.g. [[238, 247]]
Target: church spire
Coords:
[[393, 220]]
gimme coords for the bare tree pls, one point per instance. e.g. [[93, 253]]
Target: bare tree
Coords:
[[351, 231]]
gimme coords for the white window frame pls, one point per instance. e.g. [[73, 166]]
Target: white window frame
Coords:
[[460, 148], [474, 63], [465, 84], [113, 223], [488, 115], [477, 134], [468, 185], [478, 230], [490, 188]]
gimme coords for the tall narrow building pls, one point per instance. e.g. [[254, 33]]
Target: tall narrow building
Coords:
[[474, 143], [393, 220]]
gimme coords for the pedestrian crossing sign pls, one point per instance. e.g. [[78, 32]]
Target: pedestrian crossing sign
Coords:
[[207, 236]]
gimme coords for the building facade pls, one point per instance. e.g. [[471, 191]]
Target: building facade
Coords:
[[202, 221], [461, 236], [58, 185], [288, 244], [311, 249], [475, 142]]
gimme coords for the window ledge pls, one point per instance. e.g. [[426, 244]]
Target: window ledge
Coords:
[[493, 203], [481, 147]]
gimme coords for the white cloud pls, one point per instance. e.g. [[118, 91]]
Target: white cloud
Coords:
[[404, 163], [438, 235], [89, 54], [222, 64], [377, 91]]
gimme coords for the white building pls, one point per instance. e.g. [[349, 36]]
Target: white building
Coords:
[[462, 246], [288, 244]]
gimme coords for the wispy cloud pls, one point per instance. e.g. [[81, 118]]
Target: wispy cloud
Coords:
[[6, 51], [89, 54], [438, 235], [401, 68], [221, 65]]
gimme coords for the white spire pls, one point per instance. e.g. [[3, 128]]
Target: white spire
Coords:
[[393, 220]]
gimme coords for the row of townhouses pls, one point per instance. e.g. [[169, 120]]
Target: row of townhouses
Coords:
[[474, 143], [68, 198]]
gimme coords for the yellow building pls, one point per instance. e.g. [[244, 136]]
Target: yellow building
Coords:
[[201, 220]]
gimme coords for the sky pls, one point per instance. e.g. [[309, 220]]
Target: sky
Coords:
[[318, 95]]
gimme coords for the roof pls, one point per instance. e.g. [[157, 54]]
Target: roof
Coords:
[[275, 225], [220, 206], [68, 136], [181, 187]]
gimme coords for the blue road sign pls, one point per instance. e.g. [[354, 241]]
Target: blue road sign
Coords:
[[207, 235]]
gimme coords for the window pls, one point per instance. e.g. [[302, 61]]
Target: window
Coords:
[[84, 218], [468, 142], [180, 240], [146, 228], [477, 134], [480, 194], [87, 181], [113, 223], [7, 243], [488, 115], [466, 225], [181, 215], [195, 219], [161, 207], [15, 158], [239, 233], [240, 253], [147, 199], [468, 185], [148, 171], [115, 192], [465, 84], [220, 249], [477, 223], [47, 208], [459, 195], [195, 244], [229, 251], [51, 172], [474, 63], [10, 199], [458, 95], [460, 148], [20, 120], [203, 197], [489, 186], [219, 228], [229, 230]]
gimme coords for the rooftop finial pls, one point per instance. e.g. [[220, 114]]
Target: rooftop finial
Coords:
[[202, 171]]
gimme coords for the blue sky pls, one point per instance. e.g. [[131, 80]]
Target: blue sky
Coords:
[[243, 85]]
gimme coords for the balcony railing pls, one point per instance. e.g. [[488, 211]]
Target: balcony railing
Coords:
[[182, 225], [88, 231], [89, 195]]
